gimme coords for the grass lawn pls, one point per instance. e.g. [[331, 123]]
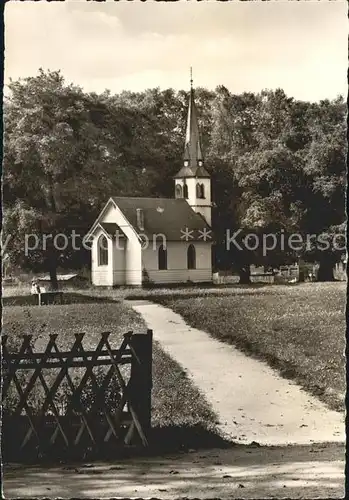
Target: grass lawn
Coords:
[[181, 417], [300, 330], [19, 295]]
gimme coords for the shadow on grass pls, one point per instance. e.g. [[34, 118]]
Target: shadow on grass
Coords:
[[68, 298], [162, 441], [183, 438]]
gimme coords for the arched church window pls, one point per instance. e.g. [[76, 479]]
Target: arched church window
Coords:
[[102, 249], [202, 191], [191, 257], [162, 258], [185, 191], [179, 192]]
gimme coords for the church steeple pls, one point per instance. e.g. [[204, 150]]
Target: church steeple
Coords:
[[192, 147], [192, 158], [193, 181]]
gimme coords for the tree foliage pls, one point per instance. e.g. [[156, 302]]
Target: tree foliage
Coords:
[[277, 164]]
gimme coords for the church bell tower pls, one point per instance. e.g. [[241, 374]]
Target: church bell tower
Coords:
[[193, 182]]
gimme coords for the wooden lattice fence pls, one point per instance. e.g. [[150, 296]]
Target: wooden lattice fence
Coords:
[[77, 402]]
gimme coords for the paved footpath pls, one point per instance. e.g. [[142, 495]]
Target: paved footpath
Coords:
[[252, 401], [253, 404]]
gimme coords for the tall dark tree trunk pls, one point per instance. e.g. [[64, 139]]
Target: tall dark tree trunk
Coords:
[[326, 271], [51, 251], [245, 275], [53, 276], [327, 263], [52, 264]]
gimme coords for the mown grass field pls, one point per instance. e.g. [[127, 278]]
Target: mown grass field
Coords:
[[299, 330], [181, 417], [10, 293]]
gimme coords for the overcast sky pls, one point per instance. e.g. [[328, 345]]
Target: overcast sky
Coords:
[[246, 46]]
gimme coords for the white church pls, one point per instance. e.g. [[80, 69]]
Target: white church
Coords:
[[158, 240]]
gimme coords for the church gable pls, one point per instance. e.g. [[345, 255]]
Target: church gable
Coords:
[[113, 223]]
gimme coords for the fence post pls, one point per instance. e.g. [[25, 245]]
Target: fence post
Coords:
[[141, 379]]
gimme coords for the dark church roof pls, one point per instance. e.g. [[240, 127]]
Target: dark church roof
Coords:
[[192, 172], [185, 172], [167, 216]]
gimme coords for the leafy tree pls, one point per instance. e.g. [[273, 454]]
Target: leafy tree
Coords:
[[65, 151], [277, 166], [286, 163], [325, 168]]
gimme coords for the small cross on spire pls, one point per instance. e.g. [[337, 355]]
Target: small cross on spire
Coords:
[[191, 77]]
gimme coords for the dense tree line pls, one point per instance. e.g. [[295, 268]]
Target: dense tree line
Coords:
[[278, 166]]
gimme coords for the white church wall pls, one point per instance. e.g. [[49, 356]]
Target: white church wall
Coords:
[[133, 263], [101, 275], [119, 261], [133, 251], [177, 271], [129, 257]]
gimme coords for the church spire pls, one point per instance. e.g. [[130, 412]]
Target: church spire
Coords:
[[193, 158], [192, 147]]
